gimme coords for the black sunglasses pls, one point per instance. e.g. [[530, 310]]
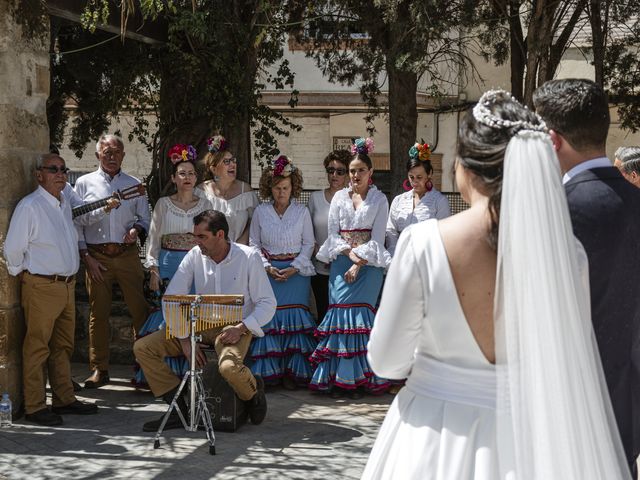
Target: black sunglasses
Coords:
[[338, 171], [54, 170]]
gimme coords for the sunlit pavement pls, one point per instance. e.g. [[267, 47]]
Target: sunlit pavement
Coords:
[[305, 436]]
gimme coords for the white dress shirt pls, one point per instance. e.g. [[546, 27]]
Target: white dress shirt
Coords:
[[319, 210], [293, 233], [433, 204], [41, 237], [240, 273], [113, 227], [588, 165]]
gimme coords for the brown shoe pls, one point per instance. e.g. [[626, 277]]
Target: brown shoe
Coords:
[[76, 408], [97, 379], [44, 417]]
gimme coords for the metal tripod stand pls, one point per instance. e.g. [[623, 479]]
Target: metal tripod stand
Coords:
[[198, 412]]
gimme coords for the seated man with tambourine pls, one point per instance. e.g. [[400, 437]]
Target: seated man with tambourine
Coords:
[[214, 266]]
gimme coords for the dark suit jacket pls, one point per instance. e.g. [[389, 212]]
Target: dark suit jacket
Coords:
[[605, 213]]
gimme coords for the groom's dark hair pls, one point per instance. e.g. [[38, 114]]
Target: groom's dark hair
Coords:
[[577, 109]]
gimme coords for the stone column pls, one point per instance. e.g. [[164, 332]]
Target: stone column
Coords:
[[24, 89]]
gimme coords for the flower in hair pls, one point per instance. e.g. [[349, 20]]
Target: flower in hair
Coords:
[[217, 144], [420, 151], [182, 153], [283, 167], [362, 145]]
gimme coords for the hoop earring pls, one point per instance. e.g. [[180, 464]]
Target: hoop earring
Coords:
[[429, 185], [216, 178], [406, 185]]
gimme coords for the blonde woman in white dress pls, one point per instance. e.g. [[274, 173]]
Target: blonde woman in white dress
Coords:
[[226, 193]]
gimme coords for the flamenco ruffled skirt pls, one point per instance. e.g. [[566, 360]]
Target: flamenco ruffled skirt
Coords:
[[288, 337], [168, 262], [340, 358]]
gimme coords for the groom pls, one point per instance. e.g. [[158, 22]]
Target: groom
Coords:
[[605, 213]]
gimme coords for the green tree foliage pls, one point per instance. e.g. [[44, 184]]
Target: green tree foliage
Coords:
[[533, 35], [205, 79], [392, 44], [95, 78]]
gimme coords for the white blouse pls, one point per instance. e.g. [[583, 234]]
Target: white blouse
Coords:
[[433, 204], [370, 215], [238, 209], [169, 218], [319, 210], [292, 233]]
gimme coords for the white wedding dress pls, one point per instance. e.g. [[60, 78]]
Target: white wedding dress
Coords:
[[442, 424]]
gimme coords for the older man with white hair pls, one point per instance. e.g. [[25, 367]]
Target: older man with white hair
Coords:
[[627, 159], [109, 250], [41, 249]]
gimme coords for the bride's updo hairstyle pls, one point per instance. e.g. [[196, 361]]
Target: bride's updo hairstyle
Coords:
[[483, 136]]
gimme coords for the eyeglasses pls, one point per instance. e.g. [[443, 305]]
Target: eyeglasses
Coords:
[[338, 171], [227, 161], [186, 174], [54, 170]]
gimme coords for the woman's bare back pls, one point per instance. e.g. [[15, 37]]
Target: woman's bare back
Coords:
[[473, 267]]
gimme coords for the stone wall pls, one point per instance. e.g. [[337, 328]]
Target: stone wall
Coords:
[[24, 89]]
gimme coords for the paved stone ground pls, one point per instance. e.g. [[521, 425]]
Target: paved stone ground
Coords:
[[305, 436]]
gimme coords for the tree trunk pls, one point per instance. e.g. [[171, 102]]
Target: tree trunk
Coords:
[[238, 132], [597, 29], [518, 48], [403, 120]]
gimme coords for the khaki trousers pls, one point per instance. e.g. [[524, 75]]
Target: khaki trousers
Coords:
[[50, 317], [151, 350], [126, 271]]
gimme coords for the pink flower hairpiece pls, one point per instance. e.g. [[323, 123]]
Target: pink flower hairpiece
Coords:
[[217, 144], [283, 167], [182, 153], [362, 145]]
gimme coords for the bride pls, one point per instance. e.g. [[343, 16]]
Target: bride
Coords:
[[492, 327]]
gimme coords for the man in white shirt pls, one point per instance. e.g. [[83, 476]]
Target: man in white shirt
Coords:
[[109, 251], [214, 266], [41, 249]]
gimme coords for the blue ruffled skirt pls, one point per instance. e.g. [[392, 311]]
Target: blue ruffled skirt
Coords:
[[341, 355], [288, 339], [168, 262]]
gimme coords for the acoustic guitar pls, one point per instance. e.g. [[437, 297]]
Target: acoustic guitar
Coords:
[[124, 194]]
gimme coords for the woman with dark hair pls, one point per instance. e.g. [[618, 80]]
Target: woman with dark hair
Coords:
[[226, 193], [421, 202], [355, 249], [487, 314], [336, 164], [281, 230], [170, 237]]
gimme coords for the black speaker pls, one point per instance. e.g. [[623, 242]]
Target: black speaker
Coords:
[[227, 411]]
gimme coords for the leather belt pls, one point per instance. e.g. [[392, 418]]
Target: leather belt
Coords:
[[109, 249], [55, 278]]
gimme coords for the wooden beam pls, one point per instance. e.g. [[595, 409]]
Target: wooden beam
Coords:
[[139, 29]]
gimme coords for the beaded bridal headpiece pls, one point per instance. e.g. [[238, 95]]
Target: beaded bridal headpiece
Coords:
[[483, 114]]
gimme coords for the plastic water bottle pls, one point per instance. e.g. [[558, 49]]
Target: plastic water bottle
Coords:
[[5, 411]]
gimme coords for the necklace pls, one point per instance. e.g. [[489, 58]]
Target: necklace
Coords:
[[223, 193]]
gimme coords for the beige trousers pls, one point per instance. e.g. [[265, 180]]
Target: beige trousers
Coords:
[[151, 350], [50, 317], [126, 271]]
